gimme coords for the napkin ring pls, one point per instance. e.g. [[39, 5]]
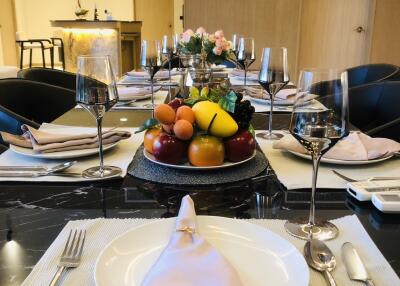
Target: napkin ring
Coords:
[[187, 229]]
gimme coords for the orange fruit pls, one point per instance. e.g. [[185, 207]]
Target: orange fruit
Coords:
[[185, 112], [164, 113], [149, 137], [183, 129], [206, 150]]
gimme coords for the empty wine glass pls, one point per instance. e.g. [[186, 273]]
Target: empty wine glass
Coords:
[[245, 54], [168, 51], [150, 61], [318, 130], [273, 76], [96, 91]]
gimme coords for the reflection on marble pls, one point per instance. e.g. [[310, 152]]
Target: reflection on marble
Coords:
[[90, 42]]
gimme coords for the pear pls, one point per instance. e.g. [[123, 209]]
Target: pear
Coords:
[[223, 125]]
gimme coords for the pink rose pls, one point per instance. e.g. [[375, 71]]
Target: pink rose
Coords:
[[217, 51], [218, 43], [219, 34], [187, 35], [200, 31], [211, 38]]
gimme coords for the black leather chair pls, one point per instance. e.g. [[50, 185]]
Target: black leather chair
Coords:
[[50, 76], [370, 73], [395, 77], [28, 102], [3, 148], [375, 109]]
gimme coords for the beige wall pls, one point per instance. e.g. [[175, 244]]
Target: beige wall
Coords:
[[8, 52], [178, 24], [33, 16]]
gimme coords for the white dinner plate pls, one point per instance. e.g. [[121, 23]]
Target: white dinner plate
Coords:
[[343, 162], [284, 102], [59, 155], [187, 165], [218, 68], [260, 256]]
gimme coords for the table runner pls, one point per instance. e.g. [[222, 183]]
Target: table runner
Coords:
[[295, 173], [120, 155], [102, 231]]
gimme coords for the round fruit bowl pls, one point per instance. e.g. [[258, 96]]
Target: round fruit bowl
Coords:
[[187, 166], [200, 75]]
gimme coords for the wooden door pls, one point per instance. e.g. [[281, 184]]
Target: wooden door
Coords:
[[329, 37], [269, 22], [157, 17]]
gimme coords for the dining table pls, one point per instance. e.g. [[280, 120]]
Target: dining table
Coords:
[[32, 214]]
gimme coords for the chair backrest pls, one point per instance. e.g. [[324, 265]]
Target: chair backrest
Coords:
[[395, 77], [28, 102], [20, 36], [370, 73], [374, 105], [50, 76]]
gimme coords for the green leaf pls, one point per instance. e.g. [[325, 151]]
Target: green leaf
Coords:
[[215, 95], [147, 124], [228, 102], [252, 131]]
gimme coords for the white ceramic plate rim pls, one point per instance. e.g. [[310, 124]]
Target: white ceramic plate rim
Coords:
[[276, 102], [343, 162], [187, 166], [59, 155], [301, 271]]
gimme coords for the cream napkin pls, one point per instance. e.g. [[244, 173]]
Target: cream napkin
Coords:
[[145, 75], [251, 75], [356, 146], [134, 92], [46, 142], [190, 260], [283, 94]]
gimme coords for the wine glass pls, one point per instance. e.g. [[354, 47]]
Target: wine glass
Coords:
[[245, 54], [318, 129], [150, 61], [168, 51], [273, 76], [96, 92]]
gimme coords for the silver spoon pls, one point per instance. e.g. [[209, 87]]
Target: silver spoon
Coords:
[[33, 171], [320, 258]]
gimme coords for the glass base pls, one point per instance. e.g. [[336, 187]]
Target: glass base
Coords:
[[322, 230], [269, 136], [108, 171]]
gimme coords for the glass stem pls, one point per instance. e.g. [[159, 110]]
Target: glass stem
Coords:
[[152, 96], [99, 121], [315, 161], [272, 96], [245, 76], [169, 67]]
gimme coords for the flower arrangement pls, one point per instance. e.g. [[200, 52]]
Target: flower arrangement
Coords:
[[215, 46]]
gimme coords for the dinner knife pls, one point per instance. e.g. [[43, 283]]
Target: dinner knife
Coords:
[[354, 265]]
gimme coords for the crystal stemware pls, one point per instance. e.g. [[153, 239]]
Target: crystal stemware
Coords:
[[96, 92], [245, 55], [273, 76], [318, 130]]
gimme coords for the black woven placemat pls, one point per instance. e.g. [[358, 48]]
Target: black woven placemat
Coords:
[[144, 169]]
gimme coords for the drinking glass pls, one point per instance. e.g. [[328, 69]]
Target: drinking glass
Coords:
[[318, 128], [273, 76], [168, 50], [150, 61], [245, 54], [96, 92]]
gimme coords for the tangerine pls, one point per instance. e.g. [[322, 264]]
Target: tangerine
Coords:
[[164, 113], [185, 112], [183, 129]]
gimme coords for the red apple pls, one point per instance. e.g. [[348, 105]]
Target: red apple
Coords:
[[240, 146], [169, 149]]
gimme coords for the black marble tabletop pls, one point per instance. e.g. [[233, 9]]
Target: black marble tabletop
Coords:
[[32, 214]]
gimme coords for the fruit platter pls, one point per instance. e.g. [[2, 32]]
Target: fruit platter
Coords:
[[208, 130]]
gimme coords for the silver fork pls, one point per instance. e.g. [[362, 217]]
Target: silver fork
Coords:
[[368, 179], [71, 256]]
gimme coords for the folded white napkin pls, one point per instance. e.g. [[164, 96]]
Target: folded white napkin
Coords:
[[357, 146], [188, 259], [135, 92], [47, 142], [283, 94], [251, 75], [145, 75]]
